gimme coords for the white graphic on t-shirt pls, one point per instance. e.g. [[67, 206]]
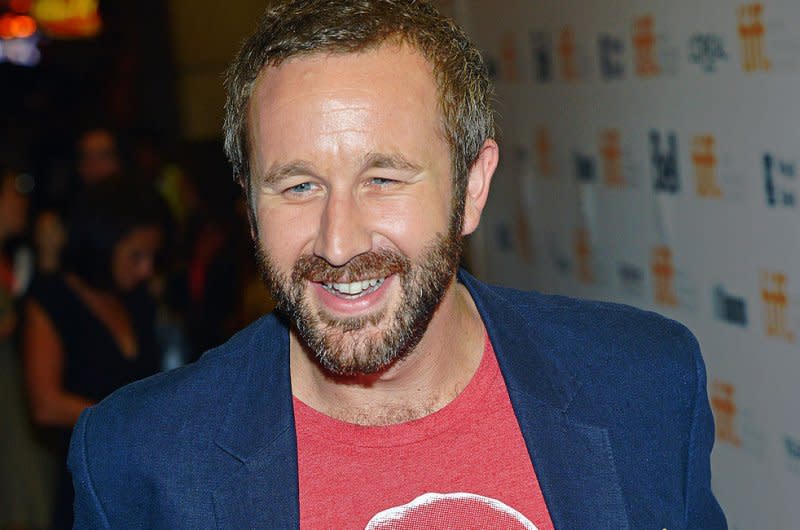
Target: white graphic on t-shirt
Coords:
[[451, 511]]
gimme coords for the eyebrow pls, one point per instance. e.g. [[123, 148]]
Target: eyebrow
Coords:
[[282, 171], [384, 161], [371, 161]]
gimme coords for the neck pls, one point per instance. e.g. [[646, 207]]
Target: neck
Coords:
[[431, 376]]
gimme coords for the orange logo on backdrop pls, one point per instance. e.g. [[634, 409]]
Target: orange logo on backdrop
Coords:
[[611, 155], [663, 275], [751, 36], [705, 166], [543, 147], [583, 256], [725, 412], [566, 51], [644, 43], [776, 301], [510, 71]]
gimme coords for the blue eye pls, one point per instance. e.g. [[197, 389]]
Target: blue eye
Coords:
[[305, 187], [382, 181]]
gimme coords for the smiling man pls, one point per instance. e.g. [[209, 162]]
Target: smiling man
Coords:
[[360, 174], [390, 389]]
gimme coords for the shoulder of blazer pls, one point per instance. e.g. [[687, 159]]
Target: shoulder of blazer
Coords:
[[195, 397], [554, 344]]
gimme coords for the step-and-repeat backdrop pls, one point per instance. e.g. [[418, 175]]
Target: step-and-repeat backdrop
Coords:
[[650, 156]]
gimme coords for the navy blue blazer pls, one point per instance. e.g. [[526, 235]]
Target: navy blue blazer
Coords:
[[611, 401]]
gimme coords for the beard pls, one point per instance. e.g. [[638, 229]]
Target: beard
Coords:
[[349, 346]]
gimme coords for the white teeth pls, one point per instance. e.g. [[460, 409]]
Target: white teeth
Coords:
[[354, 288]]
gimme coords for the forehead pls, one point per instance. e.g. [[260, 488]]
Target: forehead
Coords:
[[392, 85]]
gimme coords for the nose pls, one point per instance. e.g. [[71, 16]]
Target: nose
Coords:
[[343, 231]]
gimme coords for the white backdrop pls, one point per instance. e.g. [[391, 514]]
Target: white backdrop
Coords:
[[650, 156]]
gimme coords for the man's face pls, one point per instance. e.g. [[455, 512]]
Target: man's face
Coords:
[[352, 187]]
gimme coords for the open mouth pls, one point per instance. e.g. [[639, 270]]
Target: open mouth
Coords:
[[355, 289]]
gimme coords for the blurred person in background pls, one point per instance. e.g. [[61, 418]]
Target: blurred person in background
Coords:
[[211, 282], [151, 161], [49, 237], [97, 158], [98, 155], [91, 329], [204, 285], [13, 221], [25, 463]]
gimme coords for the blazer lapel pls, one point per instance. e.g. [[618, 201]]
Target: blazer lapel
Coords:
[[258, 432], [263, 492], [574, 466], [573, 460]]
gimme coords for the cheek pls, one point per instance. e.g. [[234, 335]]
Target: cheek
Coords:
[[412, 224], [287, 232]]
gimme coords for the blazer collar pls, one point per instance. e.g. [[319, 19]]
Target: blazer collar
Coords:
[[258, 431], [573, 461], [259, 406], [527, 358]]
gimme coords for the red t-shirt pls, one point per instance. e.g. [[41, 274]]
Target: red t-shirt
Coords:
[[464, 466]]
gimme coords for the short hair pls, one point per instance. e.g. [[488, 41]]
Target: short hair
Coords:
[[101, 217], [304, 27]]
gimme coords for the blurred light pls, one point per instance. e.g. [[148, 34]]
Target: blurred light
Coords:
[[16, 26], [20, 6], [20, 51], [23, 26], [24, 183], [67, 18], [5, 26]]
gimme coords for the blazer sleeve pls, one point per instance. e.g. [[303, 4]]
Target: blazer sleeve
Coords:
[[89, 512], [702, 508]]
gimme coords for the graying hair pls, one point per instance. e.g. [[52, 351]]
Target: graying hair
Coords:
[[303, 27]]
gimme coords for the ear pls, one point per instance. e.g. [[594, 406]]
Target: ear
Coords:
[[479, 179], [252, 218], [250, 207], [252, 223]]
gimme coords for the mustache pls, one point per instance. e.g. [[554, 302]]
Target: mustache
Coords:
[[373, 264]]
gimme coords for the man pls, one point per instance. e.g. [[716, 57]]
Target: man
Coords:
[[391, 390]]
